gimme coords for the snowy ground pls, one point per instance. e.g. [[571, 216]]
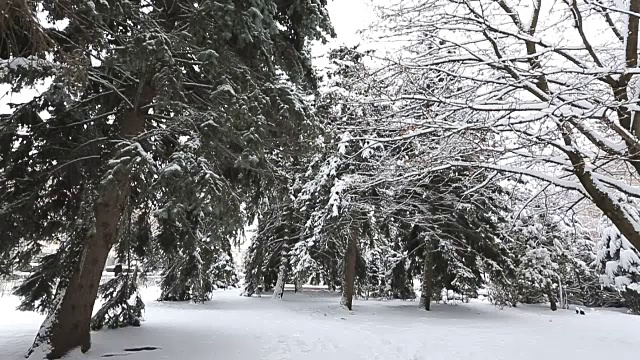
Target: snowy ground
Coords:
[[312, 326]]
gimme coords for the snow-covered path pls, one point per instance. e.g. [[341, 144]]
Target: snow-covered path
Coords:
[[312, 326]]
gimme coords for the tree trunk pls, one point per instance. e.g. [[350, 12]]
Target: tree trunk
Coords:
[[68, 325], [350, 258], [561, 294], [427, 276], [552, 299], [299, 283], [278, 291]]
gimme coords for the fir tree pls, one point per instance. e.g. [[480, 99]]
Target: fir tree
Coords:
[[123, 305], [128, 81], [267, 262], [454, 235], [619, 263], [194, 231], [552, 257]]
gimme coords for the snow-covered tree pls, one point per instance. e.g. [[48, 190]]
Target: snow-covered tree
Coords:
[[453, 233], [536, 252], [127, 81], [619, 263], [551, 252], [199, 213], [511, 73], [387, 265], [267, 262], [380, 183], [123, 305]]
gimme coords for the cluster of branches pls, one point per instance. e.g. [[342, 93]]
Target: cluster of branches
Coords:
[[546, 90], [378, 204], [554, 82], [419, 146]]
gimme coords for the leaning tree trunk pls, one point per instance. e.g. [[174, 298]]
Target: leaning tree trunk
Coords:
[[427, 276], [350, 258], [68, 325]]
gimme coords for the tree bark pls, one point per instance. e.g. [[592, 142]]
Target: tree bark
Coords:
[[68, 325], [350, 258], [561, 295], [552, 299], [427, 276], [299, 283], [604, 201], [278, 291]]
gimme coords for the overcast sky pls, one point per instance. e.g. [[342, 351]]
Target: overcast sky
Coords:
[[349, 16]]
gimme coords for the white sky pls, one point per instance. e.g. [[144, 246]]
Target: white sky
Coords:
[[349, 16]]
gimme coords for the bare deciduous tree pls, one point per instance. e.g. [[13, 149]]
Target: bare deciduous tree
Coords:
[[553, 83]]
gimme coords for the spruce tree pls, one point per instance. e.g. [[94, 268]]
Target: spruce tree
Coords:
[[268, 259], [129, 80], [123, 304], [551, 254], [195, 232], [619, 264], [452, 234]]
